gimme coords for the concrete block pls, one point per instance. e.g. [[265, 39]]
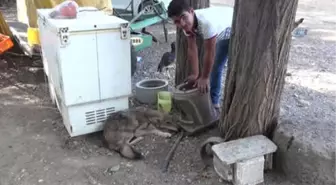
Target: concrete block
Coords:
[[249, 172], [248, 157], [268, 162], [224, 171]]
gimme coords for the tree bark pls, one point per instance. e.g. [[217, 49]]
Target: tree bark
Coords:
[[258, 57], [182, 65]]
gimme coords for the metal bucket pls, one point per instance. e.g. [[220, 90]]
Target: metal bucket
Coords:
[[198, 106]]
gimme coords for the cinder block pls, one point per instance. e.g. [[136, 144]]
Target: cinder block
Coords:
[[247, 155], [223, 170], [249, 172], [268, 162]]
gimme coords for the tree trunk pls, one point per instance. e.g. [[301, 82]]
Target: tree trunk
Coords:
[[258, 57], [182, 65]]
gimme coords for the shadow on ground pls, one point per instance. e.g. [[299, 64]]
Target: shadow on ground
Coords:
[[32, 136], [306, 135]]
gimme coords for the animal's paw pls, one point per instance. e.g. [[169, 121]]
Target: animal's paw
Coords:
[[166, 134]]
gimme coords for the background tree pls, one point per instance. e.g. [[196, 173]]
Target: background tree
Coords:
[[258, 57], [182, 65]]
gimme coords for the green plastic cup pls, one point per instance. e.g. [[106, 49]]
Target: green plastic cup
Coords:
[[164, 101]]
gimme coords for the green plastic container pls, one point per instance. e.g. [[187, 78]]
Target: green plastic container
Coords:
[[164, 102]]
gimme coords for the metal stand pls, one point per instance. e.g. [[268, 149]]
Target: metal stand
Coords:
[[142, 20]]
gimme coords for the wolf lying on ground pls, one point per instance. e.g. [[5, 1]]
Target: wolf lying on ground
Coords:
[[126, 128]]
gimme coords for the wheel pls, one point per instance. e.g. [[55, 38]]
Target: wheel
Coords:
[[148, 6]]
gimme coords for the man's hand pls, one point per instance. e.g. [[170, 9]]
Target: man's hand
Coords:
[[202, 84], [191, 79]]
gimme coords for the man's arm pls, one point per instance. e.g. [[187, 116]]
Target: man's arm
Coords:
[[209, 56], [193, 55]]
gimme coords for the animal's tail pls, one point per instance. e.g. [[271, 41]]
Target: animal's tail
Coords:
[[129, 152], [298, 22]]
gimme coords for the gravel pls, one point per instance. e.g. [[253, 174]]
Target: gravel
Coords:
[[37, 149]]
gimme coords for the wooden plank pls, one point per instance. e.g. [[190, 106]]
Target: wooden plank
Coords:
[[27, 50], [19, 31], [243, 149]]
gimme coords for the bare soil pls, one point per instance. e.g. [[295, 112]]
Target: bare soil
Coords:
[[35, 147]]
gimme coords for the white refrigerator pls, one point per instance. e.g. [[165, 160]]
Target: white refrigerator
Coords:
[[88, 64]]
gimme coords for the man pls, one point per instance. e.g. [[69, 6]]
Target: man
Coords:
[[213, 25]]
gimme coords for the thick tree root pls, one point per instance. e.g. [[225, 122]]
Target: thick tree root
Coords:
[[206, 152]]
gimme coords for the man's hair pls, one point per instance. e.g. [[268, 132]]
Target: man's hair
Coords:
[[177, 7]]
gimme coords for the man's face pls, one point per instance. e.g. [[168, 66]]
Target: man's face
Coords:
[[185, 20]]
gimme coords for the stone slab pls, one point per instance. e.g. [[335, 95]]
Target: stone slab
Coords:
[[243, 149]]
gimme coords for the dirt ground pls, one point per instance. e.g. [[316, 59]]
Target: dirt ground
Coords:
[[35, 147]]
